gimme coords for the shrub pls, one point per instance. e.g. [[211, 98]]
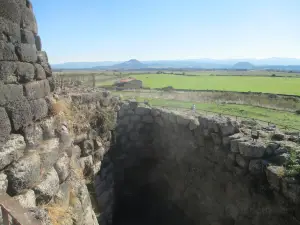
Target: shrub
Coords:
[[297, 111]]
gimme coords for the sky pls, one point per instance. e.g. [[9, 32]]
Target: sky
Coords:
[[119, 30]]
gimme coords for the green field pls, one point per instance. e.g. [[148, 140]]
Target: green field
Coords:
[[282, 119], [276, 85]]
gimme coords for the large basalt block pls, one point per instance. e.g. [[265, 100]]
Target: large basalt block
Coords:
[[254, 150], [62, 197], [37, 89], [24, 174], [49, 153], [39, 108], [25, 72], [20, 114], [39, 72], [10, 10], [43, 60], [62, 167], [5, 126], [27, 53], [11, 150], [7, 52], [27, 199], [33, 135], [8, 72], [46, 190], [9, 30], [274, 176], [28, 20], [27, 37]]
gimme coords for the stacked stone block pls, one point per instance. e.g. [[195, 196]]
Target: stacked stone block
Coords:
[[216, 172]]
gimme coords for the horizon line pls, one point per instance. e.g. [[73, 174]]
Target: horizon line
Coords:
[[186, 59]]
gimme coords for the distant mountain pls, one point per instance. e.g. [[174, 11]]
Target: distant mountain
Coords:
[[129, 65], [243, 66], [269, 63]]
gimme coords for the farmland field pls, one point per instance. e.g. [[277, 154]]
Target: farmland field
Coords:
[[276, 85]]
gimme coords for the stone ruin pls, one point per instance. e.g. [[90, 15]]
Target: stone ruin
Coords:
[[145, 165]]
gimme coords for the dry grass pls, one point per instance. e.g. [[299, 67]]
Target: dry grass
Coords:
[[59, 215]]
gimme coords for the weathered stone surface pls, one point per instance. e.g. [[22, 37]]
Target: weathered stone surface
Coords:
[[96, 168], [3, 183], [159, 121], [47, 188], [39, 108], [5, 127], [26, 200], [194, 123], [228, 127], [10, 30], [28, 20], [255, 150], [10, 93], [279, 159], [43, 60], [216, 138], [87, 147], [25, 72], [47, 126], [10, 10], [20, 113], [134, 136], [39, 72], [27, 37], [26, 53], [147, 119], [241, 161], [7, 72], [256, 166], [99, 154], [155, 112], [24, 174], [86, 164], [142, 111], [11, 150], [274, 176], [51, 81], [49, 153], [291, 190], [37, 89], [62, 197], [33, 134], [41, 215], [62, 167], [7, 52], [278, 136]]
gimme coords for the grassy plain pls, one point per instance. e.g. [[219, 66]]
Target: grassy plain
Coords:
[[276, 85]]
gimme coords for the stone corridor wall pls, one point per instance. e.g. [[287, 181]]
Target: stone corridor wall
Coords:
[[209, 167]]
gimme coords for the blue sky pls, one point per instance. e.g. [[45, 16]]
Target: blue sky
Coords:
[[118, 30]]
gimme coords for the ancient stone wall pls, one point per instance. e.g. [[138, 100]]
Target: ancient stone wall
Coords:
[[44, 161], [208, 167]]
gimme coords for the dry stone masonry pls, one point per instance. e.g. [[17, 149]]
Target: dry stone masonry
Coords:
[[142, 163], [197, 170], [42, 166]]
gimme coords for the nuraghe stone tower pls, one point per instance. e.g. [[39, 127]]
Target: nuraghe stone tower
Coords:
[[35, 168]]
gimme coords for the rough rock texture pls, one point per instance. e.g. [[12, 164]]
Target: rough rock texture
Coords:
[[202, 167], [35, 164]]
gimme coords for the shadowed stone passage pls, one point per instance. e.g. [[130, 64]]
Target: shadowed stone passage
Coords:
[[172, 168]]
